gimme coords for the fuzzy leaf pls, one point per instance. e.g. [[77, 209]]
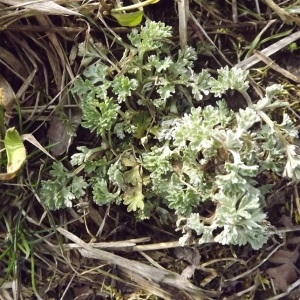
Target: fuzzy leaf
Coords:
[[99, 116], [235, 79], [122, 86], [150, 37], [101, 194]]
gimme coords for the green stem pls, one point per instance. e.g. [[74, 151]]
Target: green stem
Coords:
[[139, 74]]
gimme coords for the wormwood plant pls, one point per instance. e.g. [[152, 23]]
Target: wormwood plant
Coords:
[[163, 149]]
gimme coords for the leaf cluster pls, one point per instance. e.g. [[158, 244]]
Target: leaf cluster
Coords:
[[65, 187], [162, 148]]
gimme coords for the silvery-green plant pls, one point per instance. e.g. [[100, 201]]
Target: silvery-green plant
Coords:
[[163, 147]]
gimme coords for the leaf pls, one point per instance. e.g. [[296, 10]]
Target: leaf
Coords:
[[129, 160], [62, 189], [55, 195], [16, 153], [102, 196], [151, 36], [7, 95], [134, 198], [59, 172], [99, 116], [190, 255], [129, 19], [292, 167], [142, 120], [122, 86], [62, 130], [286, 273], [133, 176], [81, 157], [271, 92], [78, 186], [235, 79]]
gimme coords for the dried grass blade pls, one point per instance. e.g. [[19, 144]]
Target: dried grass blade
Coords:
[[13, 63], [42, 6], [45, 21], [31, 139], [269, 62]]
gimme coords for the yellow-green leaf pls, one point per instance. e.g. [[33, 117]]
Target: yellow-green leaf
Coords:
[[128, 160], [134, 198], [16, 153], [133, 176], [129, 19]]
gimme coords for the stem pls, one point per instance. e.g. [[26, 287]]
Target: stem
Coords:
[[247, 97], [133, 6], [269, 122], [139, 74], [265, 118]]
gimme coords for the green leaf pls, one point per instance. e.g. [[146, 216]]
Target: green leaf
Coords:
[[235, 79], [59, 172], [99, 116], [268, 101], [200, 84], [246, 118], [166, 88], [160, 64], [78, 186], [130, 19], [123, 87], [96, 73], [134, 198], [62, 189], [56, 195], [292, 167], [101, 194], [142, 121], [81, 157], [15, 152], [133, 176], [90, 50], [151, 37], [116, 175]]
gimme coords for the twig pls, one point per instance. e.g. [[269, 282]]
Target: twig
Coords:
[[297, 200], [210, 40], [161, 277], [183, 15]]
